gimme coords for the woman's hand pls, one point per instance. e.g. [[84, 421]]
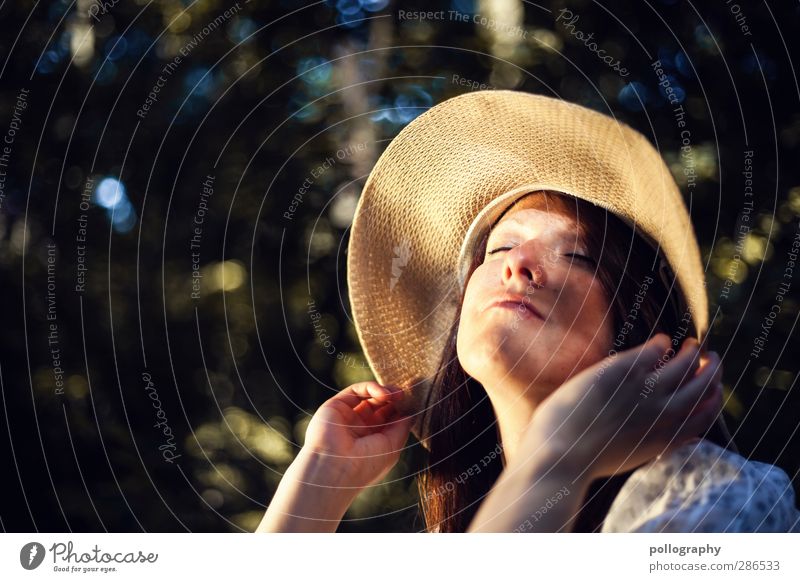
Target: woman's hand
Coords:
[[628, 408], [353, 440], [360, 429], [607, 419]]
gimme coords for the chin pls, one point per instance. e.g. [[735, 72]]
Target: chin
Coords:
[[498, 353]]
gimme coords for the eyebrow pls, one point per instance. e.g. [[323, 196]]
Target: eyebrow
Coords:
[[579, 240]]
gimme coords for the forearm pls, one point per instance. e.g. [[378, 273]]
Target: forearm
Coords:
[[309, 498], [543, 495]]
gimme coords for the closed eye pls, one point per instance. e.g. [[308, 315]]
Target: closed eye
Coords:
[[497, 250], [581, 257], [584, 258]]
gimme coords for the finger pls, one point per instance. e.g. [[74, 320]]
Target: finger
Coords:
[[680, 368], [696, 424], [685, 398], [384, 414], [356, 393], [644, 356], [704, 344], [704, 414], [368, 410], [347, 417], [713, 364], [397, 431], [707, 360], [373, 390], [368, 407]]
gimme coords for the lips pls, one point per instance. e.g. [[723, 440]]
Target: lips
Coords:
[[524, 308]]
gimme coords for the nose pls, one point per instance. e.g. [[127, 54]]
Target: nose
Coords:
[[524, 267]]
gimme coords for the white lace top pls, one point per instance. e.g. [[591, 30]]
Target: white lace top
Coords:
[[702, 487]]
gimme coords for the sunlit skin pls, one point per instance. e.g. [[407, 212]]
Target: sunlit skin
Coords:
[[521, 359], [561, 421]]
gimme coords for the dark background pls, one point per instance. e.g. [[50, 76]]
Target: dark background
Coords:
[[259, 102]]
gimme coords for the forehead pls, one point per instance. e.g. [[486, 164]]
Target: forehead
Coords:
[[552, 204], [535, 217]]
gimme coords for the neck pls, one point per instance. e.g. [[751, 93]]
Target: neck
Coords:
[[513, 409]]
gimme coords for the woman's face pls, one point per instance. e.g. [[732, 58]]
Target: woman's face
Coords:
[[556, 319]]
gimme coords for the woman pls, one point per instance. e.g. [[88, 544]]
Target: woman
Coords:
[[511, 277], [588, 304]]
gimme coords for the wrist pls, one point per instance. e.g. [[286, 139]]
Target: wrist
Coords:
[[324, 472], [312, 496], [542, 492], [559, 463]]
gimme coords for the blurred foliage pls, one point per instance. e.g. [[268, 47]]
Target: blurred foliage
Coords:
[[132, 120]]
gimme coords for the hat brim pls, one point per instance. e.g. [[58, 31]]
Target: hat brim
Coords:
[[449, 172]]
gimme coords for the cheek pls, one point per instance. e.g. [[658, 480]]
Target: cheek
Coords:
[[468, 327], [598, 302], [595, 320], [465, 342], [477, 289]]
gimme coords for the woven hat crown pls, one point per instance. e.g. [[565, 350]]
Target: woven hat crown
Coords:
[[449, 171]]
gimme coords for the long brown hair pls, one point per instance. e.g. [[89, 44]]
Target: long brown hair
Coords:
[[464, 459]]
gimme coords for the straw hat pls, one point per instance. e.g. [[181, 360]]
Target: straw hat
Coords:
[[455, 168]]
